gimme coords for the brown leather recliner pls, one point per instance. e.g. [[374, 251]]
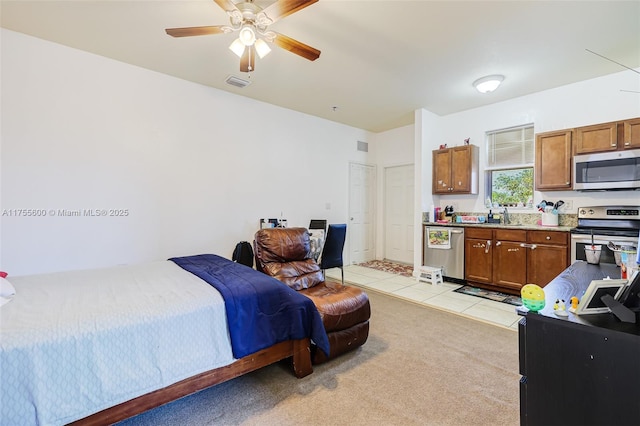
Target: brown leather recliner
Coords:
[[284, 253]]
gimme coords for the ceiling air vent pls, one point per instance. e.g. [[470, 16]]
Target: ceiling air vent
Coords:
[[238, 82]]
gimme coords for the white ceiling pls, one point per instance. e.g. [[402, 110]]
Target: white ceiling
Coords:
[[381, 60]]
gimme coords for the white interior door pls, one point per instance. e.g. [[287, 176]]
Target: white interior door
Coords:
[[362, 180], [398, 213]]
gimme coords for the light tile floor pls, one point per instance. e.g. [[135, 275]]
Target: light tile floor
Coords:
[[437, 296]]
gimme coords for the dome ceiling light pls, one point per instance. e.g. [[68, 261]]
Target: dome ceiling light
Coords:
[[489, 83]]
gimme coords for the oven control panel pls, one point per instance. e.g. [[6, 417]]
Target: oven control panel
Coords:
[[609, 212]]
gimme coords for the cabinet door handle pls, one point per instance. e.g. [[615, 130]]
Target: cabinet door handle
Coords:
[[547, 237], [499, 243], [486, 250], [531, 246], [613, 144], [627, 143]]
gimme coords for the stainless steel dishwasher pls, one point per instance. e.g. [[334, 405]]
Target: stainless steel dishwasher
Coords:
[[444, 248]]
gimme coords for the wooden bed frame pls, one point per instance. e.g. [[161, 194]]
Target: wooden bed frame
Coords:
[[299, 350]]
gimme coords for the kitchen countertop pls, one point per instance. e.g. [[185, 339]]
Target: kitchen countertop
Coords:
[[526, 227]]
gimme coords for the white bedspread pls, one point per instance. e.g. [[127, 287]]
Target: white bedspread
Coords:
[[74, 343]]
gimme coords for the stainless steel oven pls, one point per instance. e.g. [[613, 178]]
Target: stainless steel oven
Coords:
[[618, 224]]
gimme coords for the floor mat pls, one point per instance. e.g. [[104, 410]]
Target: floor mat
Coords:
[[491, 295], [391, 267]]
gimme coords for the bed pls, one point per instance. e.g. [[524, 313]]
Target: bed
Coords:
[[98, 346]]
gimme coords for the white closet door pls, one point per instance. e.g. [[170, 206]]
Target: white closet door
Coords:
[[398, 213], [361, 227]]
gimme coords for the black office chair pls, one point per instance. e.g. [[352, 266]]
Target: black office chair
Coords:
[[333, 247]]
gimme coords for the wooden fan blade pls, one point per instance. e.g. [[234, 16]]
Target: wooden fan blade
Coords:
[[226, 5], [294, 46], [282, 8], [195, 31], [248, 60]]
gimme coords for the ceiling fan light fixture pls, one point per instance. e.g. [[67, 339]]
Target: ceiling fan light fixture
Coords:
[[237, 47], [247, 35], [262, 48], [489, 83]]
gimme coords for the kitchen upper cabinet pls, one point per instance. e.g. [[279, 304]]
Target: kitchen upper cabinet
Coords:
[[597, 138], [455, 170], [604, 137], [631, 134], [553, 161]]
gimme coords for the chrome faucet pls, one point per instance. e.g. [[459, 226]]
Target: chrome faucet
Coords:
[[507, 219]]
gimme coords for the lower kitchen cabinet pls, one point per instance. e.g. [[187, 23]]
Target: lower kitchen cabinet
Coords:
[[478, 256], [507, 259], [510, 259], [548, 255]]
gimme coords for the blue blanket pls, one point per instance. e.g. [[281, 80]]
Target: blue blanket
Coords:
[[261, 311]]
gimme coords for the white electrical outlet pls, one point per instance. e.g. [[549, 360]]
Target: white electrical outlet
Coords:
[[567, 207]]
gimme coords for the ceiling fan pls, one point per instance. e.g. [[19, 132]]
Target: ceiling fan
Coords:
[[252, 24]]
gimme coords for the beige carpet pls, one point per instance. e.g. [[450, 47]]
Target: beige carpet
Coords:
[[420, 366]]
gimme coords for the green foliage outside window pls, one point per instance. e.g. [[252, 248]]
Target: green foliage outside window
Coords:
[[512, 188]]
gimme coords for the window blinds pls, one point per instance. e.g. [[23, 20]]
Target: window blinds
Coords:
[[510, 148]]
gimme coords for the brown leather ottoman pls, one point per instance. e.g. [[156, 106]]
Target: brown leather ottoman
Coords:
[[345, 313]]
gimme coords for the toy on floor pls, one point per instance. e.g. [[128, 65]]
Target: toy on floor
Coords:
[[533, 297]]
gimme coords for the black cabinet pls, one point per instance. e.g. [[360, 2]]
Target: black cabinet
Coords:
[[579, 370]]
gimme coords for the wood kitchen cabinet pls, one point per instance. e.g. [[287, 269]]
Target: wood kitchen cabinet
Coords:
[[478, 256], [604, 137], [455, 170], [596, 138], [553, 161], [505, 259], [548, 255], [510, 259], [631, 134], [555, 150]]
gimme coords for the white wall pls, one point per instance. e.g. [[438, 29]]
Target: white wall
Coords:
[[81, 131], [194, 166], [589, 102]]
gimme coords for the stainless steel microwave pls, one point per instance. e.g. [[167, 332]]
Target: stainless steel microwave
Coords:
[[616, 170]]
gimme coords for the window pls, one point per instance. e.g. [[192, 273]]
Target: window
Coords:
[[509, 171]]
